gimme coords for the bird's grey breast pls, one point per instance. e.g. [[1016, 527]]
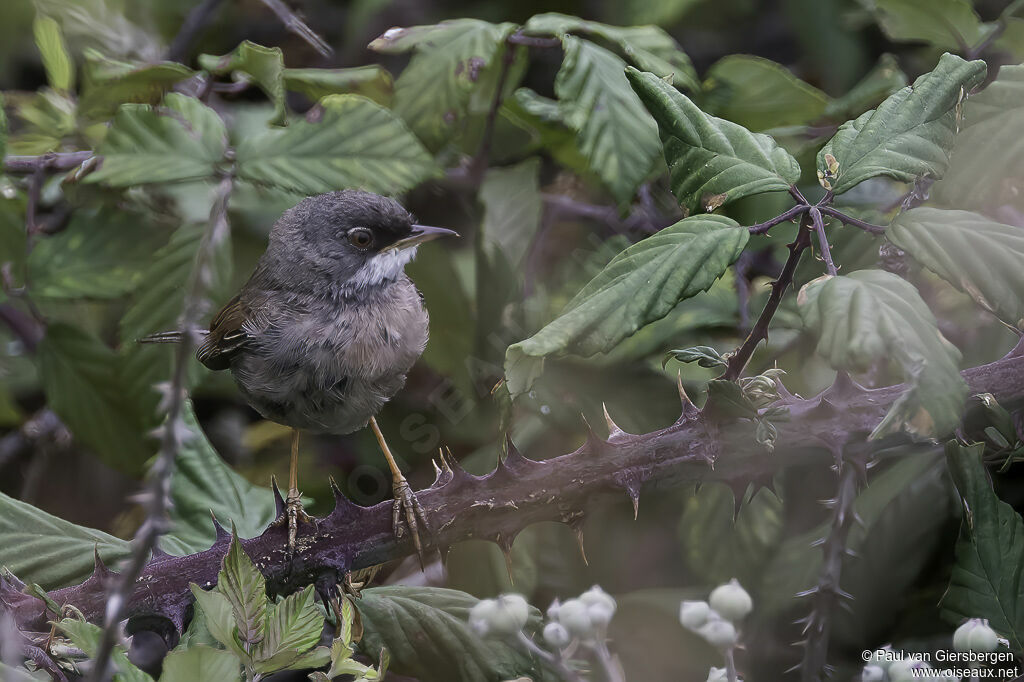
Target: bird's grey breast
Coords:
[[327, 365]]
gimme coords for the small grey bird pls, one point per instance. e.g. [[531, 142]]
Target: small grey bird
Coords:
[[327, 327]]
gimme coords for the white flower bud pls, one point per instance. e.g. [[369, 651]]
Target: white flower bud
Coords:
[[719, 633], [507, 616], [903, 671], [480, 616], [693, 614], [718, 675], [872, 673], [731, 601], [975, 635], [556, 635], [553, 610], [595, 595], [600, 614], [575, 616], [517, 607]]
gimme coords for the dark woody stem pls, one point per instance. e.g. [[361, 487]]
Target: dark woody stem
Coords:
[[519, 493], [738, 361], [761, 228], [54, 161], [291, 22], [850, 220]]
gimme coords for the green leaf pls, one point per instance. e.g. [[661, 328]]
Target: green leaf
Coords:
[[294, 627], [711, 161], [614, 133], [3, 128], [41, 548], [426, 632], [977, 255], [219, 617], [948, 24], [909, 135], [986, 581], [101, 24], [200, 664], [99, 255], [356, 143], [640, 285], [60, 71], [759, 94], [453, 57], [512, 207], [241, 582], [373, 82], [183, 140], [109, 83], [883, 80], [871, 316], [84, 386], [203, 484], [542, 119], [984, 168], [705, 356], [86, 637], [649, 48], [19, 674], [264, 65]]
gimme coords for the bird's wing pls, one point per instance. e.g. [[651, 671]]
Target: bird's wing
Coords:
[[229, 333]]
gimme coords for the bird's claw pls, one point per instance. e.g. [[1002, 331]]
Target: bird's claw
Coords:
[[293, 515], [407, 516]]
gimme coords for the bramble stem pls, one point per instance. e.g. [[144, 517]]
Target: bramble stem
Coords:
[[826, 251], [850, 220], [761, 228], [759, 333]]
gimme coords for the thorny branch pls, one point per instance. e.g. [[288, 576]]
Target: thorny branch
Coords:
[[850, 220], [519, 493], [826, 251], [158, 494], [827, 593]]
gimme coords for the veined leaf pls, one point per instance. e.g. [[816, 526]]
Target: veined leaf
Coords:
[[949, 24], [641, 284], [759, 94], [294, 627], [649, 48], [183, 140], [356, 143], [202, 484], [109, 83], [986, 581], [512, 207], [102, 25], [711, 161], [452, 57], [373, 82], [84, 386], [60, 71], [246, 590], [444, 647], [220, 619], [975, 254], [614, 133], [99, 255], [263, 65], [870, 316], [909, 135], [200, 663], [984, 169], [41, 548]]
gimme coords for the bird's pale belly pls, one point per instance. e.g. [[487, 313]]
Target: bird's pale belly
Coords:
[[330, 375]]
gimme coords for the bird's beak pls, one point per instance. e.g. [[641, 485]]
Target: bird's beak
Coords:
[[422, 233]]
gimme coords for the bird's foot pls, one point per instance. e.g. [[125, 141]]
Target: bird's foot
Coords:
[[407, 515], [293, 515]]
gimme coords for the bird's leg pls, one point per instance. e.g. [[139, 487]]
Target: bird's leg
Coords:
[[407, 508], [293, 503]]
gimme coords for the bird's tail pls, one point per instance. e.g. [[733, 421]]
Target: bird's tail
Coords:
[[165, 337]]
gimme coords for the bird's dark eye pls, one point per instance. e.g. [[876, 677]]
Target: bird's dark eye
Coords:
[[360, 237]]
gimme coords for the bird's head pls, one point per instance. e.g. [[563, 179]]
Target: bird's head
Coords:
[[359, 239]]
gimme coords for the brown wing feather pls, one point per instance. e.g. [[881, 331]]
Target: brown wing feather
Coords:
[[227, 335]]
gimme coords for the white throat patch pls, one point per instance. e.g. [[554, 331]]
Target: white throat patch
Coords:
[[383, 267]]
